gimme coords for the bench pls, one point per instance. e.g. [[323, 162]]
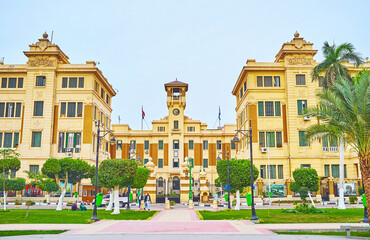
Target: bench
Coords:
[[348, 229]]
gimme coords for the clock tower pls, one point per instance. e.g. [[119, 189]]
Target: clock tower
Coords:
[[176, 98]]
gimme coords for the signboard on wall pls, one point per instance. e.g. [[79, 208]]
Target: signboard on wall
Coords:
[[277, 190], [349, 189]]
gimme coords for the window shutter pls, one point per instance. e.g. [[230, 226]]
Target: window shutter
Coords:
[[277, 109], [260, 109], [299, 104]]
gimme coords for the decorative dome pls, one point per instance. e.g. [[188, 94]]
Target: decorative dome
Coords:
[[45, 35], [296, 34]]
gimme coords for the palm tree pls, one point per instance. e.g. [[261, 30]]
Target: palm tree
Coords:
[[344, 111], [333, 66]]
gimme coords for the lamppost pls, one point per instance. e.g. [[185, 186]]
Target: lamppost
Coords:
[[189, 162], [236, 139], [132, 156], [228, 174], [95, 212]]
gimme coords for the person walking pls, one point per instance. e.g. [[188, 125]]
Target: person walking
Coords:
[[147, 200]]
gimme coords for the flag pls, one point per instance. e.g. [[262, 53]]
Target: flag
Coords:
[[219, 113], [142, 113]]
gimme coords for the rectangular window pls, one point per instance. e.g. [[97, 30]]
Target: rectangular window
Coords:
[[267, 81], [146, 145], [300, 79], [325, 143], [16, 140], [79, 109], [63, 107], [270, 139], [132, 144], [345, 171], [2, 109], [160, 162], [12, 83], [64, 82], [262, 139], [191, 129], [61, 143], [107, 99], [73, 82], [96, 86], [305, 165], [38, 109], [176, 144], [263, 171], [8, 137], [161, 129], [1, 139], [269, 109], [333, 143], [95, 111], [219, 144], [102, 93], [36, 139], [20, 82], [146, 161], [245, 86], [40, 81], [18, 109], [277, 109], [302, 105], [175, 163], [205, 145], [279, 140], [71, 112], [280, 172], [119, 144], [176, 124], [276, 81], [205, 163], [191, 144], [260, 109], [10, 109], [160, 145], [34, 169], [4, 82], [272, 171], [241, 93], [232, 144], [259, 81], [302, 139], [335, 171], [327, 170], [81, 82]]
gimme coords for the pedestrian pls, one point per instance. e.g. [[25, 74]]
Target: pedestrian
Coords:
[[147, 200], [140, 198], [74, 206]]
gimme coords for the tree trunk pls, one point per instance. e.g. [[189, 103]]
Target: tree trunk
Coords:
[[5, 195], [116, 200], [237, 206], [312, 202], [60, 202], [341, 176], [47, 197], [109, 207], [365, 171]]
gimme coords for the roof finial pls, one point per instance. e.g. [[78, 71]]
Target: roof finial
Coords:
[[176, 79], [296, 34], [45, 35]]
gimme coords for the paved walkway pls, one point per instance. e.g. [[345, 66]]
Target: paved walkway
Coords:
[[179, 220]]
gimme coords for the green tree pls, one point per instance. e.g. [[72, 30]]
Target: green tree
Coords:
[[345, 108], [46, 184], [240, 175], [9, 162], [306, 180], [141, 177], [66, 170], [116, 174], [333, 65]]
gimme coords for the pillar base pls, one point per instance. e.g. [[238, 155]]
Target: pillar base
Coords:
[[191, 205], [215, 205], [167, 205], [142, 205]]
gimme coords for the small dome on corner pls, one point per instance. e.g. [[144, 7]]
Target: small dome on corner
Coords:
[[296, 34], [45, 35]]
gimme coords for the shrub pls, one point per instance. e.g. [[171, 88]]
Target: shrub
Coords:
[[45, 201], [18, 202], [234, 202], [30, 203], [172, 203], [352, 199]]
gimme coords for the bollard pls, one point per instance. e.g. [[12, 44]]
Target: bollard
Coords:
[[167, 205], [142, 205], [191, 205], [215, 206]]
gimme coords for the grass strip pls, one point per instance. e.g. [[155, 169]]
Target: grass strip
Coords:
[[354, 234], [29, 232], [333, 215], [68, 216]]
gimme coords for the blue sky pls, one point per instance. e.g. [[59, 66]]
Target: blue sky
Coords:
[[143, 44]]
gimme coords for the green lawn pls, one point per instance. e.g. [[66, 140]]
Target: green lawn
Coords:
[[67, 216], [354, 234], [332, 215], [29, 232]]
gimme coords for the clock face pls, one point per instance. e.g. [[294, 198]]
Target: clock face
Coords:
[[176, 111]]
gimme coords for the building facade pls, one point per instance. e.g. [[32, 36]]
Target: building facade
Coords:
[[173, 138], [49, 107], [272, 96]]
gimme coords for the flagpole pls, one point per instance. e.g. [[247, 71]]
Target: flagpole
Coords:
[[219, 116], [142, 117]]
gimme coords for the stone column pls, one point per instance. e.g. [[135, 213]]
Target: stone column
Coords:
[[289, 192], [331, 188], [150, 186], [259, 187]]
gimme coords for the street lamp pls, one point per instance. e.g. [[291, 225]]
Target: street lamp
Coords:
[[228, 174], [189, 162], [95, 212], [236, 139], [132, 156]]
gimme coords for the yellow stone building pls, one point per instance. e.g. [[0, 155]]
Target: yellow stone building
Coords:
[[49, 107], [169, 142], [272, 96]]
